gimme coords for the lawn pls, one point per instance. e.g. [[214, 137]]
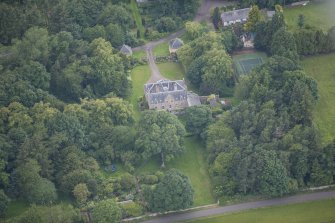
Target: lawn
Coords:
[[139, 76], [137, 17], [319, 14], [309, 212], [244, 63], [322, 69], [161, 50], [171, 70], [139, 54], [193, 164]]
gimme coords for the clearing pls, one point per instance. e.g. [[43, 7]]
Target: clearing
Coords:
[[161, 49], [309, 212], [139, 76], [139, 54], [171, 70], [322, 69], [193, 164], [245, 62], [137, 17], [319, 14]]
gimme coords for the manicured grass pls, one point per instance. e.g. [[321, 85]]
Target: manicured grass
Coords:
[[243, 59], [309, 212], [171, 70], [139, 76], [322, 69], [319, 14], [139, 54], [161, 50], [137, 17], [193, 164]]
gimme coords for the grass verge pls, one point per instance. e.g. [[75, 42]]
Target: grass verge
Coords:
[[139, 54], [171, 70], [161, 50], [309, 212], [139, 76], [322, 69]]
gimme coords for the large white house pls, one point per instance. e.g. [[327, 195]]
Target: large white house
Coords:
[[235, 16]]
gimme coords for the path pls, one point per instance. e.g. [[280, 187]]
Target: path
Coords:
[[155, 73], [203, 14], [243, 206]]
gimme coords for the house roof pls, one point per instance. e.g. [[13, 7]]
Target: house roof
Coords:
[[176, 43], [159, 91], [270, 14], [126, 49], [235, 15]]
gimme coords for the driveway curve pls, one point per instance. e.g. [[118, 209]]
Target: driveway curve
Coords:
[[203, 14], [242, 207]]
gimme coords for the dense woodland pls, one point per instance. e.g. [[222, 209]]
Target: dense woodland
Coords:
[[65, 118]]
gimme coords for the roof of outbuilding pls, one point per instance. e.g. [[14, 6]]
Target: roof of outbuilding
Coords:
[[176, 43], [126, 49]]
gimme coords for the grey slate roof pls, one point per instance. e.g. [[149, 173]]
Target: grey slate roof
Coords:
[[126, 50], [176, 43], [270, 14], [159, 91], [235, 15]]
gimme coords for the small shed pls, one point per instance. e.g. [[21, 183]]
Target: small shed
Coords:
[[175, 44], [125, 49]]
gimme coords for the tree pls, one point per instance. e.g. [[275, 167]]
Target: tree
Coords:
[[108, 73], [283, 44], [253, 18], [195, 71], [81, 193], [301, 20], [91, 33], [160, 132], [116, 14], [174, 192], [115, 35], [273, 179], [216, 18], [43, 192], [32, 186], [3, 203], [218, 72], [106, 211], [166, 24], [193, 30], [197, 119]]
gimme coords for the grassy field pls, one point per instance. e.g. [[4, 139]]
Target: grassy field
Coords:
[[309, 212], [161, 50], [193, 164], [139, 76], [172, 71], [242, 60], [137, 17], [139, 54], [322, 69], [319, 14]]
